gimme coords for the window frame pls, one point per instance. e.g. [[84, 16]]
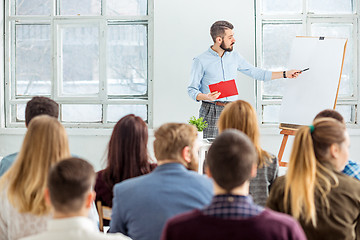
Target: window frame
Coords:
[[306, 19], [9, 94]]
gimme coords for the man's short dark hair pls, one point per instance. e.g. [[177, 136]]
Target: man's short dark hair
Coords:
[[330, 113], [69, 182], [218, 29], [231, 158], [40, 105]]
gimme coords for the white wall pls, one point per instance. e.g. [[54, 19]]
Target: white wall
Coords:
[[181, 32]]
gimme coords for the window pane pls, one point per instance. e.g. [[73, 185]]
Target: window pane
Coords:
[[33, 7], [331, 6], [20, 112], [81, 113], [126, 7], [342, 31], [348, 112], [127, 60], [32, 59], [282, 6], [277, 40], [271, 114], [80, 7], [116, 112], [80, 60]]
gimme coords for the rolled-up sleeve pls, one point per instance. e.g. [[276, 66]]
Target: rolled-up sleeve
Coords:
[[197, 72], [251, 71]]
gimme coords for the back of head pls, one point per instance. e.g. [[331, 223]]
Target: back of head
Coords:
[[127, 150], [69, 182], [231, 158], [45, 144], [171, 139], [40, 105], [218, 29], [331, 114], [241, 115], [310, 166]]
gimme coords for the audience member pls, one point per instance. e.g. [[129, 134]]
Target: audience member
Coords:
[[127, 157], [314, 191], [23, 208], [352, 168], [241, 115], [69, 192], [35, 107], [142, 205], [232, 161]]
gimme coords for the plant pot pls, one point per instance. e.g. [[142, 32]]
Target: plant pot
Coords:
[[200, 136]]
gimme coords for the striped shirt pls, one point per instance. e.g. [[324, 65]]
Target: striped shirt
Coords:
[[229, 206]]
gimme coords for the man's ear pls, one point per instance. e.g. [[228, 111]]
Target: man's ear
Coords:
[[90, 199], [218, 40], [254, 171], [47, 196], [186, 154]]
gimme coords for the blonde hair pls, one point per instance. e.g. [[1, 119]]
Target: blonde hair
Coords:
[[171, 138], [310, 168], [45, 144], [241, 115]]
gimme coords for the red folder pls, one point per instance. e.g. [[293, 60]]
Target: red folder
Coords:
[[226, 88]]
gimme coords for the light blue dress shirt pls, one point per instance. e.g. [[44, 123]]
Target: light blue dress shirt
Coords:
[[210, 68]]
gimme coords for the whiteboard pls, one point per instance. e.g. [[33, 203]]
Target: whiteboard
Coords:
[[316, 89]]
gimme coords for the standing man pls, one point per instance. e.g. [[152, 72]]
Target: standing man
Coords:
[[220, 63]]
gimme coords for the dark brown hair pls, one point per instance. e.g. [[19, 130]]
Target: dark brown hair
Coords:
[[218, 29], [127, 151], [40, 105], [330, 113], [231, 158], [69, 182]]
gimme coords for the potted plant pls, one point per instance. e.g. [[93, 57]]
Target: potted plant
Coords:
[[200, 124]]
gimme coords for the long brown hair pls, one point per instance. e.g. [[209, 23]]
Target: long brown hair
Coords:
[[310, 168], [127, 151], [241, 115], [45, 144]]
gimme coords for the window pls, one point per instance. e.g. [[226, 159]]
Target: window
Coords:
[[90, 56], [278, 22]]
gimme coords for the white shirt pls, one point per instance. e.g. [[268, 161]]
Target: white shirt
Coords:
[[74, 228]]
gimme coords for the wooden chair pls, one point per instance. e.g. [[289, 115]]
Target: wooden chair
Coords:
[[104, 213]]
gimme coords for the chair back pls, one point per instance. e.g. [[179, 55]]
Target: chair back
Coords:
[[104, 213]]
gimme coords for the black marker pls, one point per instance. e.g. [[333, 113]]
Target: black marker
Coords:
[[304, 70]]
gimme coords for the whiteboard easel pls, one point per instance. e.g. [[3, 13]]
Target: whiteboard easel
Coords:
[[314, 90]]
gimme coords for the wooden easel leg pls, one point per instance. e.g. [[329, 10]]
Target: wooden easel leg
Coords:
[[281, 151]]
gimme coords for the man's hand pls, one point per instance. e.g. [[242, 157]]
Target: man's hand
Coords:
[[293, 73], [208, 97], [289, 74]]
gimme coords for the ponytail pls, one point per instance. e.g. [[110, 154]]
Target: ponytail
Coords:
[[308, 171]]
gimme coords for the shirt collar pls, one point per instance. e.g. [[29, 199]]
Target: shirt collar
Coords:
[[231, 198], [72, 223], [212, 52], [170, 166]]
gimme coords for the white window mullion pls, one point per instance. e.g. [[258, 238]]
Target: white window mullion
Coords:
[[103, 64]]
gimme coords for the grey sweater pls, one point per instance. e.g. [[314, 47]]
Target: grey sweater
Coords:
[[260, 185]]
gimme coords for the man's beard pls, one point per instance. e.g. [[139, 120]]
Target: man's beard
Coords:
[[194, 163], [226, 49]]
